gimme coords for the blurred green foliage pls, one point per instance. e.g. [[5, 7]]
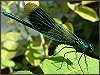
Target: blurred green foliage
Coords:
[[24, 49]]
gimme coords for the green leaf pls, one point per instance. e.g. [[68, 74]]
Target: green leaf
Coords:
[[5, 54], [33, 55], [67, 25], [11, 2], [70, 26], [2, 66], [5, 6], [85, 12], [23, 72], [13, 36], [58, 20], [10, 45], [70, 65], [10, 36], [7, 63], [87, 2], [3, 37]]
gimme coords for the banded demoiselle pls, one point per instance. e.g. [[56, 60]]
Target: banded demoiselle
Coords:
[[45, 24]]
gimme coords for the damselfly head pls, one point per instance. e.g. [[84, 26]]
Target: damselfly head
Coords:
[[90, 47]]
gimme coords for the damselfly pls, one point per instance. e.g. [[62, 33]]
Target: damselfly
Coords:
[[45, 24]]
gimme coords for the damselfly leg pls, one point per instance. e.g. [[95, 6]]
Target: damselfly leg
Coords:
[[85, 62], [64, 55]]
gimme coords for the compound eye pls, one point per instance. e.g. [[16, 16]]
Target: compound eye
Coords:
[[90, 47]]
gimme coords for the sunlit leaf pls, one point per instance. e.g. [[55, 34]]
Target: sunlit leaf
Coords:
[[11, 2], [70, 26], [87, 2], [23, 72], [31, 58], [3, 37], [70, 65], [13, 36], [7, 63], [58, 20], [10, 45], [34, 55], [5, 54], [5, 6], [85, 12], [67, 25]]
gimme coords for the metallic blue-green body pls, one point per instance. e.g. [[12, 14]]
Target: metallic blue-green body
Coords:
[[45, 24]]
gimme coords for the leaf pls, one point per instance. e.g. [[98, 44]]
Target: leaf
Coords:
[[70, 65], [67, 25], [10, 45], [30, 57], [58, 20], [10, 36], [9, 48], [87, 2], [70, 26], [13, 36], [23, 72], [7, 63], [5, 6], [3, 37], [11, 2], [33, 55], [5, 54], [85, 12]]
